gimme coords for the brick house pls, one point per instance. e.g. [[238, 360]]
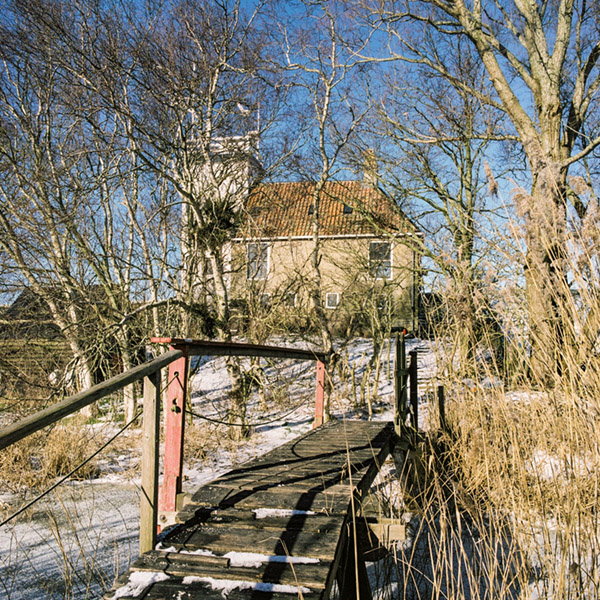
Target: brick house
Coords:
[[367, 245]]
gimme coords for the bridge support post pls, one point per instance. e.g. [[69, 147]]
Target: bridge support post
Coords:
[[319, 395], [414, 390], [442, 408], [150, 454], [175, 426], [400, 381], [352, 577]]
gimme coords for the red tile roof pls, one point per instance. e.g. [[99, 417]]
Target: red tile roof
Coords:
[[284, 210]]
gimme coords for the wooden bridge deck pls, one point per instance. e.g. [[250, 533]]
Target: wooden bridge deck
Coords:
[[279, 526]]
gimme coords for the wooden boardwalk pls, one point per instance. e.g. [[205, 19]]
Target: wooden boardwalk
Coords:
[[280, 526]]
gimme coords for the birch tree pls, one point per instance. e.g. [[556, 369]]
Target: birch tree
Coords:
[[38, 161], [324, 73], [71, 217], [190, 91]]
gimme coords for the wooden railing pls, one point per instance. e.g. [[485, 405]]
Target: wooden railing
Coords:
[[177, 359], [175, 407]]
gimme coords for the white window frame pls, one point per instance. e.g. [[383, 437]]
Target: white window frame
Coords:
[[329, 295], [382, 264], [258, 276]]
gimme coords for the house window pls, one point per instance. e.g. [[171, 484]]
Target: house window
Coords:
[[380, 260], [332, 300], [347, 209], [258, 260]]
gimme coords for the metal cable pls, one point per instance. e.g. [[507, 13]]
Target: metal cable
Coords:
[[65, 477], [246, 424]]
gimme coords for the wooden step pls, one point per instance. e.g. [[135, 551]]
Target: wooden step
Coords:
[[312, 544], [175, 590], [247, 519]]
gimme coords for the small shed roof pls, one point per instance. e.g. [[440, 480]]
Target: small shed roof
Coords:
[[275, 210]]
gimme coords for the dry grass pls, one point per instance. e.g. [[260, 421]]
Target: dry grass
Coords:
[[36, 461], [505, 503], [528, 466], [204, 439]]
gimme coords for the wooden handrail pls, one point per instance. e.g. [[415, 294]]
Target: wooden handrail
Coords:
[[211, 348], [21, 429]]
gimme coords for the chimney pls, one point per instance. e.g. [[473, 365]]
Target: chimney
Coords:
[[370, 170]]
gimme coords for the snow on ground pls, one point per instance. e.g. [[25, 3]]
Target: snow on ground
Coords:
[[86, 533], [83, 534]]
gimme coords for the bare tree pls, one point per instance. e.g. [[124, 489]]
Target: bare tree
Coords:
[[324, 71], [152, 125], [72, 219], [191, 94], [41, 172], [542, 62], [435, 137]]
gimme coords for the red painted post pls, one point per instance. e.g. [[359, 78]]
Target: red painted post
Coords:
[[319, 395], [175, 425]]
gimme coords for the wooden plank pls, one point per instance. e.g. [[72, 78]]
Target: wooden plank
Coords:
[[324, 448], [302, 478], [303, 481], [312, 575], [314, 524], [302, 466], [312, 544], [159, 560], [299, 489], [21, 429], [191, 510], [284, 497], [327, 502], [175, 590], [246, 519]]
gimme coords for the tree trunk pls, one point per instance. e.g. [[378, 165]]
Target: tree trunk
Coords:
[[317, 298], [239, 391], [83, 376], [546, 276], [129, 399], [464, 318]]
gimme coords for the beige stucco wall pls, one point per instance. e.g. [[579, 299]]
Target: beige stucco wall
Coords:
[[344, 270]]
